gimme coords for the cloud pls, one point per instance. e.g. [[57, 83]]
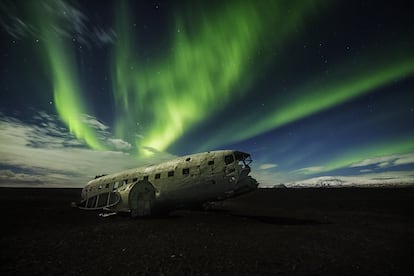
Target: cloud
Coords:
[[104, 132], [104, 36], [93, 122], [150, 149], [19, 179], [54, 156], [120, 144], [405, 159], [369, 164], [73, 23], [15, 27], [386, 161], [267, 166], [308, 170]]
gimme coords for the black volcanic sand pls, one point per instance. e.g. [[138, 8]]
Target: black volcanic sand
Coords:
[[267, 232]]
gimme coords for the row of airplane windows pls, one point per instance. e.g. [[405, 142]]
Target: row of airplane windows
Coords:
[[118, 184]]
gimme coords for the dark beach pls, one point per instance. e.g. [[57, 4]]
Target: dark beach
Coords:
[[345, 231]]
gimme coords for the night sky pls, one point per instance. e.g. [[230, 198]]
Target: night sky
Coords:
[[311, 89]]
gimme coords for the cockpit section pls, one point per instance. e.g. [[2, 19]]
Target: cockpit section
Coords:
[[237, 169], [239, 160], [243, 159], [237, 164]]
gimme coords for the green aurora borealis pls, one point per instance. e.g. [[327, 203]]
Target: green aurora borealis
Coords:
[[214, 56], [344, 83], [205, 69], [67, 92], [163, 96]]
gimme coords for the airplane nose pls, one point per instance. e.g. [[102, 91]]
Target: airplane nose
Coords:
[[244, 172], [245, 185], [83, 193]]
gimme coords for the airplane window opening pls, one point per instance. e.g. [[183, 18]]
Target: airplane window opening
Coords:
[[102, 200], [188, 159], [91, 202], [170, 173], [134, 180], [107, 186], [125, 182], [186, 171], [157, 176], [109, 198], [211, 162], [146, 177], [228, 159], [96, 201], [243, 159]]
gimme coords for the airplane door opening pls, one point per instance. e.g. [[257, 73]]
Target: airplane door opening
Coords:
[[141, 199]]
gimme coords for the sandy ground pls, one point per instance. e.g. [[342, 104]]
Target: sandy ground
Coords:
[[267, 232]]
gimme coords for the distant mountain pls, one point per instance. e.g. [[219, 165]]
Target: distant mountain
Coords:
[[392, 179], [279, 186]]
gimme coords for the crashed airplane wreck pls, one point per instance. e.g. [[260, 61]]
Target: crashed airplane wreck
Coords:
[[183, 182]]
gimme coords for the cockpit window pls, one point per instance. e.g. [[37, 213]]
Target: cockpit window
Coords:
[[243, 158], [228, 159]]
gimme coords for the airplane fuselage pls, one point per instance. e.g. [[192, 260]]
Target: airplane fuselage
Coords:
[[184, 181]]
